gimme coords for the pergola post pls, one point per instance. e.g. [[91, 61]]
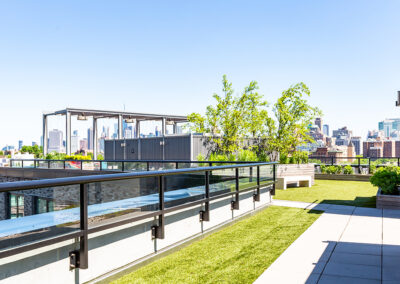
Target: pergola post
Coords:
[[44, 135], [120, 126], [94, 138], [174, 128], [137, 125], [68, 132], [163, 127]]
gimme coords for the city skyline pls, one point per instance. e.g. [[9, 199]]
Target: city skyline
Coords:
[[168, 65]]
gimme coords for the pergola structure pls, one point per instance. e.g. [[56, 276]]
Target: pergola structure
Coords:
[[83, 114]]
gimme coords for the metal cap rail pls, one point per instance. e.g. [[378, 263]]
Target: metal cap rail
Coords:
[[79, 258], [37, 163]]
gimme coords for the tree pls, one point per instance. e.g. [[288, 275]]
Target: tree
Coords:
[[35, 149], [232, 118], [293, 115]]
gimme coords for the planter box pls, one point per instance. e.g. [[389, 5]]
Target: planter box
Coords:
[[284, 170], [384, 201], [354, 177]]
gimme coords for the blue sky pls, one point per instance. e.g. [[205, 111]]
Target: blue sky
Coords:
[[169, 57]]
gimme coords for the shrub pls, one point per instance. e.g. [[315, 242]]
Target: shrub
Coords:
[[247, 156], [372, 169], [323, 169], [388, 179], [348, 170], [332, 170]]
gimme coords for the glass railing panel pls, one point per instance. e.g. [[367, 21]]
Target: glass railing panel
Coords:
[[38, 214], [247, 177], [57, 165], [267, 174], [73, 165], [90, 165], [42, 164], [111, 166], [160, 166], [135, 166], [221, 181], [184, 188], [113, 201]]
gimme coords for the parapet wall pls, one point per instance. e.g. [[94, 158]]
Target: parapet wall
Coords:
[[118, 247]]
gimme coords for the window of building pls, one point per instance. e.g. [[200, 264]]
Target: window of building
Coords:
[[43, 205], [16, 205]]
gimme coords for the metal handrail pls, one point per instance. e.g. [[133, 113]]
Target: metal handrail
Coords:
[[79, 258]]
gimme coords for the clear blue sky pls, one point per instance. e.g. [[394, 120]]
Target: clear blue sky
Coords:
[[169, 57]]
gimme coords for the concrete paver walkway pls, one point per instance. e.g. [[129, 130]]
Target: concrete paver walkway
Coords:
[[346, 244]]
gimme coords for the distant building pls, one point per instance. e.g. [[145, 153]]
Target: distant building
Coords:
[[356, 141], [55, 141], [34, 143], [388, 126], [342, 136], [375, 152], [89, 139], [83, 145], [389, 148], [375, 144], [325, 129], [318, 122], [75, 146], [20, 144]]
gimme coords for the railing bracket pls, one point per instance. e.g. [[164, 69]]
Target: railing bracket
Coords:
[[234, 205], [204, 215], [256, 197], [74, 259]]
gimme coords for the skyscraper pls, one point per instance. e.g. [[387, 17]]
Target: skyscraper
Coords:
[[90, 138], [318, 122], [325, 128], [356, 141], [20, 144]]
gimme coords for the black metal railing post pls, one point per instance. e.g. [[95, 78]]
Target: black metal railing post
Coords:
[[332, 161], [22, 164], [48, 164], [83, 248], [235, 203], [274, 179], [369, 165], [148, 166], [158, 230], [79, 258], [205, 214], [251, 174], [176, 165], [101, 166], [256, 196], [123, 166], [64, 164]]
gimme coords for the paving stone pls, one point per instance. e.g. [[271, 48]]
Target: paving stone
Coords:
[[355, 258], [331, 279], [353, 270], [358, 248], [391, 273]]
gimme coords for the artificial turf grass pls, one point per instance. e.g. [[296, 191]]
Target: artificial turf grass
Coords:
[[354, 193], [239, 253]]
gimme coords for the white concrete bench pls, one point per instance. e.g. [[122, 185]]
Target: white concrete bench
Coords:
[[282, 182]]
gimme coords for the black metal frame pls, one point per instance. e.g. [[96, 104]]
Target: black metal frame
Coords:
[[79, 258], [358, 165]]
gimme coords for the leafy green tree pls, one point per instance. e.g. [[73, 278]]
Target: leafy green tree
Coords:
[[232, 118], [1, 153], [35, 149], [293, 115]]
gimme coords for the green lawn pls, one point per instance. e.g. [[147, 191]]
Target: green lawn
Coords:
[[236, 254], [356, 193]]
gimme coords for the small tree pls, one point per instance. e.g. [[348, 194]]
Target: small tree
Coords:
[[293, 115], [232, 118]]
